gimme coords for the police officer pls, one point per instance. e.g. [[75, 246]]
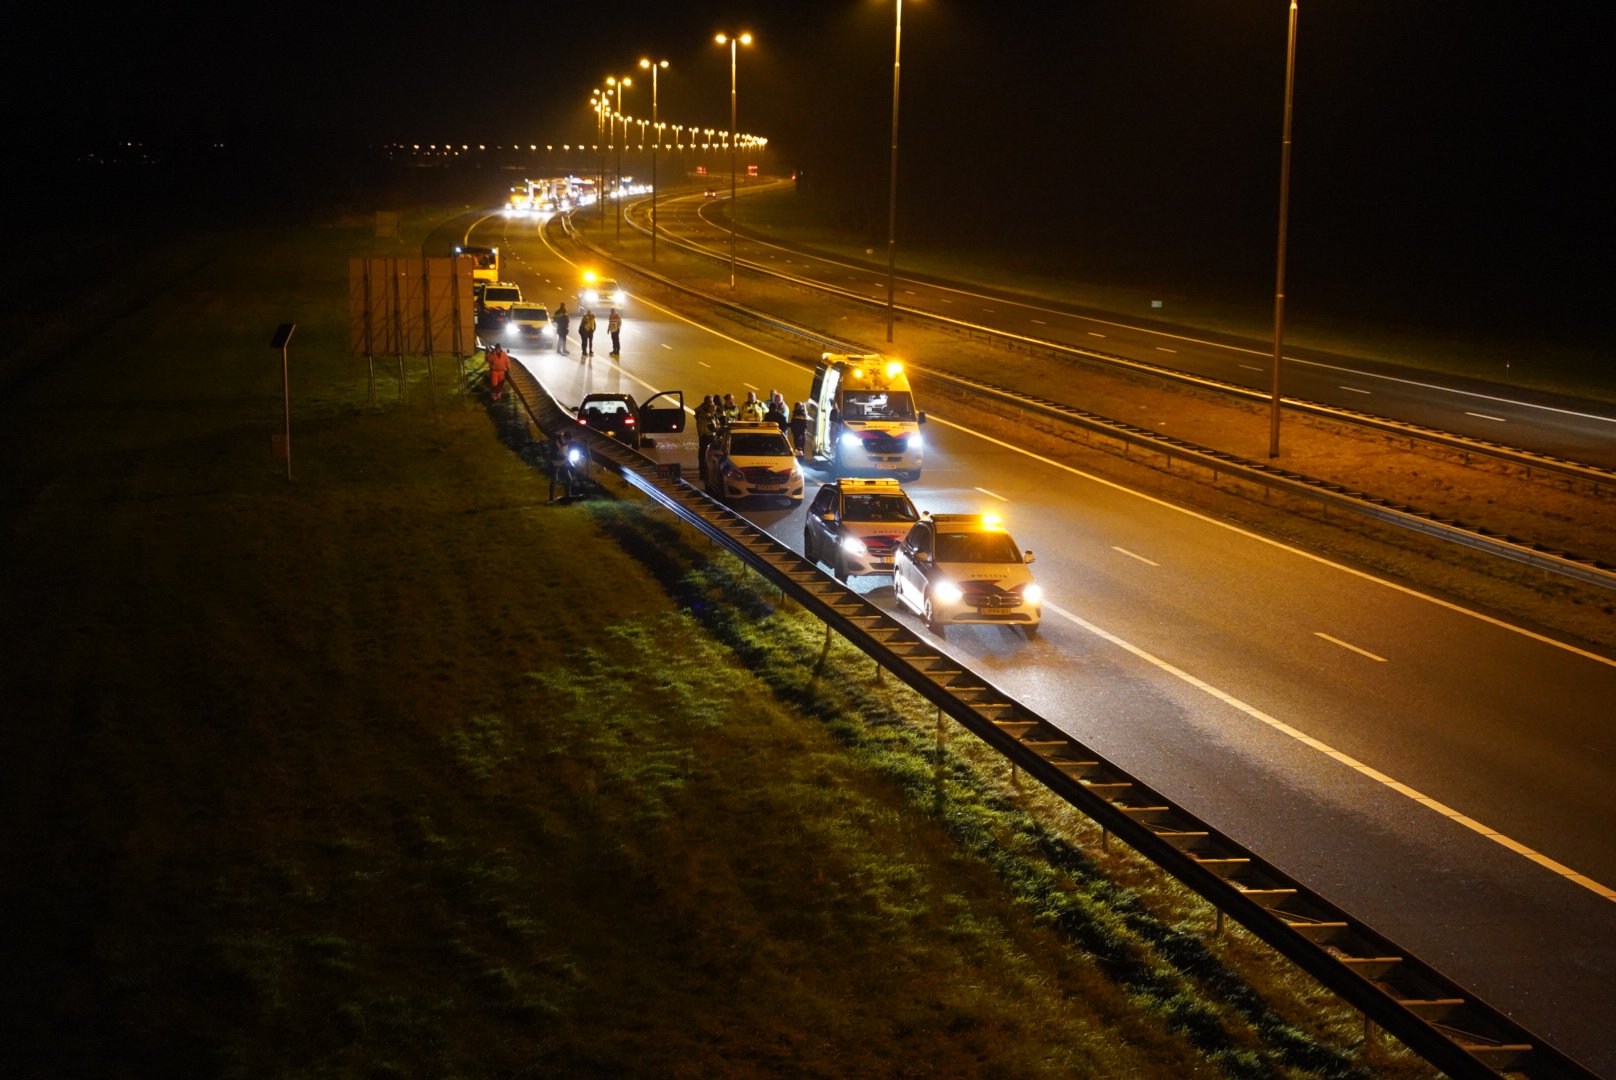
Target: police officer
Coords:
[[614, 327], [706, 428], [560, 319]]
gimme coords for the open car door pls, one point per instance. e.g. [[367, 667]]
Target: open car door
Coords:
[[663, 413]]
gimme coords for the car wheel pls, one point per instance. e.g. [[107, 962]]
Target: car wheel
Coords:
[[808, 545], [838, 567], [931, 620], [1030, 630]]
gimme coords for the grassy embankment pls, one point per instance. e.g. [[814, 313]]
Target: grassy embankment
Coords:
[[395, 770]]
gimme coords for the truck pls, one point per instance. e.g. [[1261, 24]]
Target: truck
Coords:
[[862, 417], [484, 262]]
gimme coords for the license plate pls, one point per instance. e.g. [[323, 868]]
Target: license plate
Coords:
[[882, 562], [994, 610], [768, 488]]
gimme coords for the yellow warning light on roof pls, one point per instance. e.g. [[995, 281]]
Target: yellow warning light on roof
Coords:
[[589, 275], [991, 520], [858, 373], [894, 368]]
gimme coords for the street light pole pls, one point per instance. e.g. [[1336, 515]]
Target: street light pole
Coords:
[[646, 63], [1284, 215], [734, 214], [618, 85], [892, 193], [600, 129]]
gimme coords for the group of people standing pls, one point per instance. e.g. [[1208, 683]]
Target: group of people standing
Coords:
[[586, 330], [720, 410]]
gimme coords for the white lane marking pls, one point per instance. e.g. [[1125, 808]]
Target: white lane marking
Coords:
[[1132, 555], [1093, 334], [749, 386], [992, 494], [1354, 390], [1353, 648], [1163, 348], [1484, 416], [1335, 755], [1039, 322], [1253, 367]]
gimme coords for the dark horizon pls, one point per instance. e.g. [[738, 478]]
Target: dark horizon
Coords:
[[1444, 164]]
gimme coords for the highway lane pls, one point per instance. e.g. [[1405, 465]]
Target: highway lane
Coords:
[[1259, 686], [1541, 422]]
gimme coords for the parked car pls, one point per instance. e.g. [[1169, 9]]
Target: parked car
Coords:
[[620, 418], [748, 459], [965, 568], [854, 526], [528, 322], [495, 302]]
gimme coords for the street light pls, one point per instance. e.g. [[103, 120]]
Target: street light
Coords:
[[732, 41], [1284, 213], [618, 85], [892, 183], [654, 67], [599, 101]]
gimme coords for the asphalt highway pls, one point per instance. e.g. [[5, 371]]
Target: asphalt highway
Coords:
[[1442, 774], [1544, 423]]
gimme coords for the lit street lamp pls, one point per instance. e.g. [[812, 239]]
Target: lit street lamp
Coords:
[[618, 85], [734, 210], [892, 183], [654, 67], [599, 101], [1284, 213]]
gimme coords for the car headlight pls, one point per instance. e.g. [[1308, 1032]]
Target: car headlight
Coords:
[[947, 592], [1032, 594], [619, 297], [915, 442], [731, 472], [547, 329], [850, 440], [854, 546]]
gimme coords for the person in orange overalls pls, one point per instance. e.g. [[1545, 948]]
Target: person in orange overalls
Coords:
[[499, 365]]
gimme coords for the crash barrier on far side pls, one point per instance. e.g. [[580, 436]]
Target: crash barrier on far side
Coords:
[[1433, 1016]]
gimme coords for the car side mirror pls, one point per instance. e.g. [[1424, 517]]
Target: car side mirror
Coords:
[[920, 417], [1027, 556]]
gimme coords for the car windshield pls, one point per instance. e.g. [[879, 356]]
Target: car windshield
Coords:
[[760, 444], [976, 547], [537, 314], [877, 405], [500, 294], [877, 508], [605, 411]]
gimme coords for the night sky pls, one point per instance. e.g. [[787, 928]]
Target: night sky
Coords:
[[1446, 155]]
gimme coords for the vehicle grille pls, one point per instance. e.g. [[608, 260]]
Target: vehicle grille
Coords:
[[880, 442], [988, 592], [881, 546], [762, 474]]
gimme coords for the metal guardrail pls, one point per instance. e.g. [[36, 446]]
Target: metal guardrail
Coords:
[[1433, 1016], [1378, 508]]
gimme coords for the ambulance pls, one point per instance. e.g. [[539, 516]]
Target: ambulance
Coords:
[[863, 420]]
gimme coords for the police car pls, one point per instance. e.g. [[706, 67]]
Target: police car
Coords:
[[854, 526], [597, 292], [526, 321], [965, 568], [747, 460]]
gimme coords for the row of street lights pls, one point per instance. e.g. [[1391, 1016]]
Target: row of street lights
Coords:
[[735, 40]]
